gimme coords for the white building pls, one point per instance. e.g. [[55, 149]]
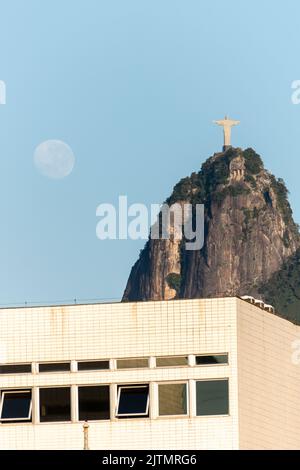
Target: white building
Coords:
[[183, 374]]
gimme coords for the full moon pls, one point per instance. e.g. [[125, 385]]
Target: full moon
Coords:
[[54, 158]]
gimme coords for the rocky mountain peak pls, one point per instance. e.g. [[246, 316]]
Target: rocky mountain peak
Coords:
[[249, 234]]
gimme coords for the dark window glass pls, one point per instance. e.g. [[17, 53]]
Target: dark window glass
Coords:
[[132, 363], [54, 367], [213, 359], [172, 399], [171, 361], [93, 403], [133, 400], [93, 365], [212, 397], [16, 405], [55, 404], [15, 368]]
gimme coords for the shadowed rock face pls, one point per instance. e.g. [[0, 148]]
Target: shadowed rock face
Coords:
[[249, 234]]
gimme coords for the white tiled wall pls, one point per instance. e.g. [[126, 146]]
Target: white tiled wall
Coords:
[[110, 331], [264, 382], [269, 382]]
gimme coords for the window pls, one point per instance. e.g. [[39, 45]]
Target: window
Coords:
[[54, 367], [93, 403], [132, 363], [15, 368], [213, 359], [172, 399], [93, 365], [55, 404], [212, 397], [171, 361], [16, 405], [133, 401]]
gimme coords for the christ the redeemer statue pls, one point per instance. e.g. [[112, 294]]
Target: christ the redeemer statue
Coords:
[[227, 125]]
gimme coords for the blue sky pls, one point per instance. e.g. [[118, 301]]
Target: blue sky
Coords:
[[132, 86]]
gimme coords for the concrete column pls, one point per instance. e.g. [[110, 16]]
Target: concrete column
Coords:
[[153, 394], [113, 390], [34, 368], [113, 364], [74, 367], [35, 396], [192, 398], [152, 362], [191, 360], [74, 404]]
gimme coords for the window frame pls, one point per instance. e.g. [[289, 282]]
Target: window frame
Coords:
[[43, 387], [213, 363], [17, 364], [54, 371], [173, 382], [9, 392], [78, 402], [129, 415], [132, 359], [218, 379], [96, 361], [172, 357]]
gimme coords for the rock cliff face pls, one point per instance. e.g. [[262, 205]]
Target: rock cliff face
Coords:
[[249, 235]]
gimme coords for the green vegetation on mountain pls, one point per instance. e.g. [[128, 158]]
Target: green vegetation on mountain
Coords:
[[174, 281], [253, 161], [215, 173], [283, 289]]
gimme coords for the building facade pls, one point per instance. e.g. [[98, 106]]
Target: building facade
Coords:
[[182, 374]]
